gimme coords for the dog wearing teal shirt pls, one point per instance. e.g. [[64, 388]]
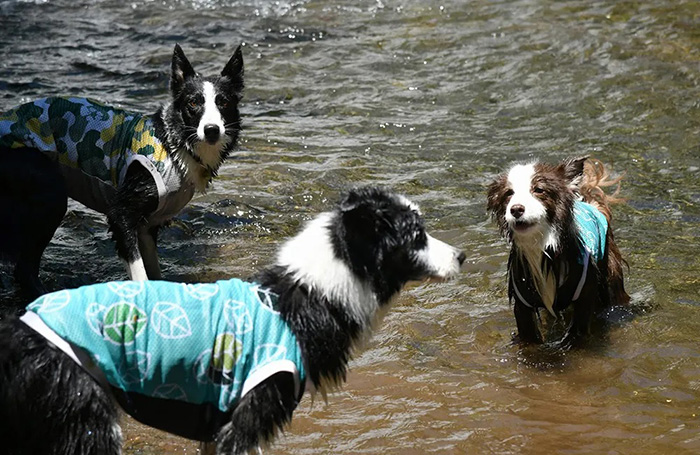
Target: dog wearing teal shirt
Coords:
[[139, 170], [224, 363], [563, 252]]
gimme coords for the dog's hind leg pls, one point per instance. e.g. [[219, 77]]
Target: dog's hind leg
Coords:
[[34, 201], [48, 404], [136, 198]]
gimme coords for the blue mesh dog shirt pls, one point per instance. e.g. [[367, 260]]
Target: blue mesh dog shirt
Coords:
[[198, 343], [592, 229]]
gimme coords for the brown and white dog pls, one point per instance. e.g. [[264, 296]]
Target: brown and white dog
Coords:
[[557, 221]]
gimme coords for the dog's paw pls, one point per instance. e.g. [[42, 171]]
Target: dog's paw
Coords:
[[517, 339], [569, 341]]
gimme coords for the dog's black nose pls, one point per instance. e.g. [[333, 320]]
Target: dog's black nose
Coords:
[[211, 133], [517, 210], [461, 258]]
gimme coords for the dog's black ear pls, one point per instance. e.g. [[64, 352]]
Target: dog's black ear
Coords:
[[234, 69], [573, 170], [181, 70], [367, 198], [350, 201], [359, 210]]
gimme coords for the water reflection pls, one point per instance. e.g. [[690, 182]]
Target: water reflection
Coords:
[[433, 99]]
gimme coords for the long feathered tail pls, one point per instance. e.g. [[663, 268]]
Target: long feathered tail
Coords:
[[595, 179]]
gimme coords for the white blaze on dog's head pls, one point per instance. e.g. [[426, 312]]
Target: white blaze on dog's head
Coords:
[[523, 206], [211, 131], [525, 213], [211, 124], [362, 254]]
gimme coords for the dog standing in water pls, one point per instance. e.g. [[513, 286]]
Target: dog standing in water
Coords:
[[225, 362], [557, 220], [137, 169]]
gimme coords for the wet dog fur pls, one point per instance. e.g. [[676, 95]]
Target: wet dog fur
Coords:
[[532, 204], [335, 280], [199, 127]]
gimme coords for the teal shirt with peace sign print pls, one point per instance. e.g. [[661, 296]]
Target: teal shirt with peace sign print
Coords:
[[197, 343]]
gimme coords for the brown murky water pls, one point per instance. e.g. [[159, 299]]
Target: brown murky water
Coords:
[[432, 99]]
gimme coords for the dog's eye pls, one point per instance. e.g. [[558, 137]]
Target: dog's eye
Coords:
[[509, 193], [193, 104], [420, 239], [221, 102], [538, 190]]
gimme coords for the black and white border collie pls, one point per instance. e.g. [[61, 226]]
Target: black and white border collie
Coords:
[[334, 281], [197, 129], [534, 207]]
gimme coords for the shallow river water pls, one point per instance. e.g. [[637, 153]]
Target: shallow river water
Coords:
[[432, 99]]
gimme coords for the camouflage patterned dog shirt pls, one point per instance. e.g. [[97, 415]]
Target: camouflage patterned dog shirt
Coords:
[[94, 145]]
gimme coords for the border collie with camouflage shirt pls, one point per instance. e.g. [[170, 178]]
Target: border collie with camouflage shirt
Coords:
[[139, 170]]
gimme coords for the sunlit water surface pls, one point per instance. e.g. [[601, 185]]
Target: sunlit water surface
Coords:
[[432, 99]]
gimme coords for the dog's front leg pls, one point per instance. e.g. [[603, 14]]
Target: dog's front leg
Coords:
[[136, 198], [136, 270], [585, 307], [260, 414], [148, 239], [526, 320]]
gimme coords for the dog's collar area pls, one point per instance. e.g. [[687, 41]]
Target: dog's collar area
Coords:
[[198, 160], [196, 173], [562, 278]]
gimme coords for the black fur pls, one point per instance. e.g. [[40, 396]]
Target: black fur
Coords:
[[34, 192], [33, 198], [325, 332], [390, 226], [50, 406], [371, 231], [174, 122]]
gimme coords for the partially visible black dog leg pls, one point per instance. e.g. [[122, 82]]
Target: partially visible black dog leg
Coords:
[[259, 415], [526, 320], [48, 404], [33, 198], [135, 199]]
